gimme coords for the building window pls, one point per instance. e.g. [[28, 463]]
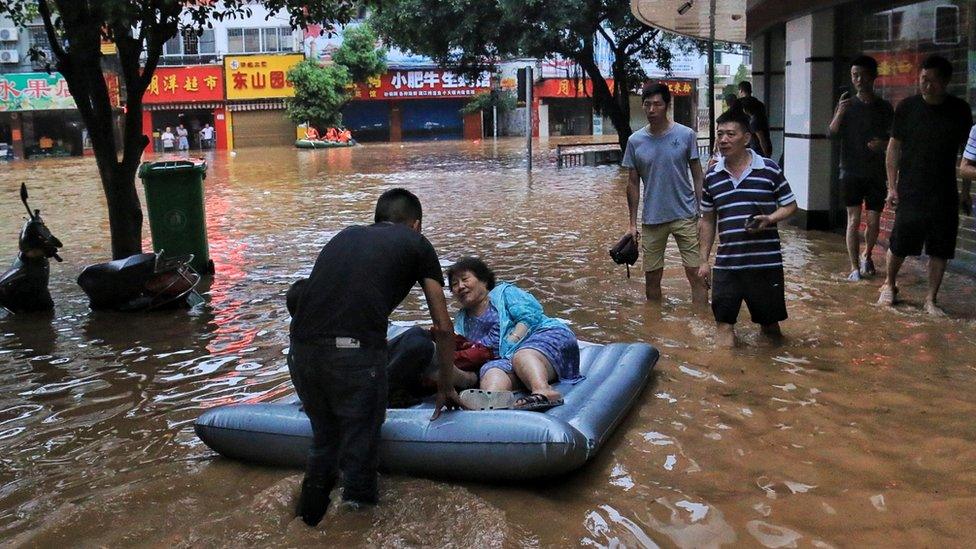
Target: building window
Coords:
[[39, 43], [946, 26], [188, 43], [270, 40], [877, 28]]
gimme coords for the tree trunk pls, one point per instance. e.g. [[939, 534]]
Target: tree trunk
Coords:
[[124, 211], [602, 95]]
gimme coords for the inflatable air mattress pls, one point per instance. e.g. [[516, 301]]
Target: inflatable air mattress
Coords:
[[476, 445]]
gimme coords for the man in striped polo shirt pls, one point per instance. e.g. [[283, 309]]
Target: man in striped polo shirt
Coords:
[[967, 172], [744, 197]]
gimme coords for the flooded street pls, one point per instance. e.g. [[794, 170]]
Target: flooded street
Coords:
[[858, 431]]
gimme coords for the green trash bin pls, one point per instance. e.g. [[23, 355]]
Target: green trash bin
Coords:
[[174, 198]]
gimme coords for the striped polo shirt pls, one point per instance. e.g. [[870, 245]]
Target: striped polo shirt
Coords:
[[760, 190], [970, 152]]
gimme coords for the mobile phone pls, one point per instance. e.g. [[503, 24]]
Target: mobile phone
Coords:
[[752, 222], [844, 91]]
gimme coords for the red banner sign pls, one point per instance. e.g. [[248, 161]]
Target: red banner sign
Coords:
[[897, 69], [185, 84], [679, 88], [567, 87], [421, 84]]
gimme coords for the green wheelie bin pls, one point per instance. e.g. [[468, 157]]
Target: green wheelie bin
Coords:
[[174, 198]]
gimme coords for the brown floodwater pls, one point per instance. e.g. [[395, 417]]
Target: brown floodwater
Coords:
[[859, 430]]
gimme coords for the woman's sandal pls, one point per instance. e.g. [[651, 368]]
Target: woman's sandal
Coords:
[[536, 402], [479, 399]]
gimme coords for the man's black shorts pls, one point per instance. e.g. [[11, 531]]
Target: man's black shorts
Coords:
[[933, 228], [867, 190], [761, 289]]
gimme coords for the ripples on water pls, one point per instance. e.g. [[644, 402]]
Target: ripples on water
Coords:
[[858, 431]]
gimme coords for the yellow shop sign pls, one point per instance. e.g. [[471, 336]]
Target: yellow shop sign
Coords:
[[259, 76]]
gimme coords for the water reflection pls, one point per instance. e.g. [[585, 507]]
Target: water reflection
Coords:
[[855, 432]]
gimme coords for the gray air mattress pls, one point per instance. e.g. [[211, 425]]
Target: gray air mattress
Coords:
[[476, 445]]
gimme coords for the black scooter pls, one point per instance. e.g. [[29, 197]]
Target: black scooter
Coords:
[[141, 282], [23, 288]]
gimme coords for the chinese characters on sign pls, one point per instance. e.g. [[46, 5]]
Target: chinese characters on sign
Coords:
[[174, 84], [567, 87], [897, 69], [35, 91], [407, 84], [259, 76], [677, 88]]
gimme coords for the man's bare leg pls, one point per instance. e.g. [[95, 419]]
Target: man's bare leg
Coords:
[[652, 284], [772, 332], [937, 267], [890, 288], [854, 242], [873, 222], [699, 292], [724, 335]]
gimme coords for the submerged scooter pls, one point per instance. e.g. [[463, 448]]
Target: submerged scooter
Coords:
[[142, 282], [23, 288]]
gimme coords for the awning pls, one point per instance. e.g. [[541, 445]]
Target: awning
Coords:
[[257, 106], [203, 106], [722, 20]]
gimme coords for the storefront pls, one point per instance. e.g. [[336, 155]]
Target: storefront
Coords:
[[39, 118], [257, 86], [192, 96], [414, 105]]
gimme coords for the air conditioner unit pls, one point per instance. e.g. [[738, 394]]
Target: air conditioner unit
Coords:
[[9, 56], [8, 35]]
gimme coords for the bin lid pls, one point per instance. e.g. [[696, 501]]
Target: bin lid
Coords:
[[170, 166]]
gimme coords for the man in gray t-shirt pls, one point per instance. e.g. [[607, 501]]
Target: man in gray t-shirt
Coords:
[[664, 154]]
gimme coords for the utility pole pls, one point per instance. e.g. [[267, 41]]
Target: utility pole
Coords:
[[528, 116], [711, 79]]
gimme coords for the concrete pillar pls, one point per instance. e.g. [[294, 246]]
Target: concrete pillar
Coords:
[[147, 130], [17, 134], [809, 87]]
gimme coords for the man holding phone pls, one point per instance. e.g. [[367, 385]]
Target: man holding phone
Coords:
[[863, 124]]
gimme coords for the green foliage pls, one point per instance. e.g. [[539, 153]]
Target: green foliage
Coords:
[[472, 34], [742, 74], [486, 101], [320, 93], [359, 53]]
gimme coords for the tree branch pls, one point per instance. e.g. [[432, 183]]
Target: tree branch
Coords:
[[52, 35], [606, 37]]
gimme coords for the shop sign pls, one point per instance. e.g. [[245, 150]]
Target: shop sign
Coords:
[[567, 87], [185, 84], [40, 91], [34, 91], [259, 76], [421, 84], [678, 88], [897, 69]]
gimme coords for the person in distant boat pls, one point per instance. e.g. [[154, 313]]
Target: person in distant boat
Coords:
[[534, 350], [345, 136], [332, 134], [311, 134]]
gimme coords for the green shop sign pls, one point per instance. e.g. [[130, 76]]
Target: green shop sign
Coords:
[[34, 91]]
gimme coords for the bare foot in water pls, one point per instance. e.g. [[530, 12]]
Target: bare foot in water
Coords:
[[887, 296], [933, 309], [725, 336], [773, 334]]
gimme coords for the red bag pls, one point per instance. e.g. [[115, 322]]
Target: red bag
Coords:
[[470, 356]]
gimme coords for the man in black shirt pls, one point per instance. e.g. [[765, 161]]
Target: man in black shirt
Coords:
[[863, 123], [927, 135], [758, 120], [338, 353]]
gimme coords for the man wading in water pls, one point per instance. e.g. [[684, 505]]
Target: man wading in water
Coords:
[[664, 154], [338, 355], [928, 132], [863, 123], [745, 196]]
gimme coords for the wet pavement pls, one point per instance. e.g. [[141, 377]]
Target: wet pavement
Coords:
[[859, 430]]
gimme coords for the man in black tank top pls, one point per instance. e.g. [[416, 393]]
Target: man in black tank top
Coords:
[[338, 354]]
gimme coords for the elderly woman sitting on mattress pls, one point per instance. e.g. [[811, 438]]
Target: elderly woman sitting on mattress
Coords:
[[533, 349]]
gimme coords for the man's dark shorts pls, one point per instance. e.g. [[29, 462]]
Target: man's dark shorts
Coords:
[[761, 289], [864, 190], [933, 228]]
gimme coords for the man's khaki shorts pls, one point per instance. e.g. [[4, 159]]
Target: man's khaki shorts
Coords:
[[654, 240]]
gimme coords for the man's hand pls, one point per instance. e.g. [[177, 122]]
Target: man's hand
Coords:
[[634, 233], [760, 222], [878, 145], [966, 203], [446, 398], [705, 273], [892, 199], [844, 103]]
